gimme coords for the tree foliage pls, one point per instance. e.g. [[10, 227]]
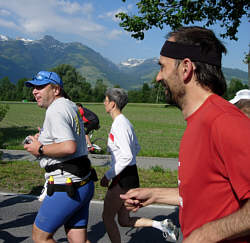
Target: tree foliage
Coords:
[[234, 86], [75, 85], [7, 89], [175, 13], [99, 90], [149, 93], [3, 110], [80, 90]]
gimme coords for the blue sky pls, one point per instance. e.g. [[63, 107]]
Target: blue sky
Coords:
[[93, 23]]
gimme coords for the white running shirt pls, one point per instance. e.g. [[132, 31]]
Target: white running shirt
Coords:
[[62, 123], [122, 145]]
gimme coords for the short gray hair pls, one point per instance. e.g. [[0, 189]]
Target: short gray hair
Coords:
[[119, 96]]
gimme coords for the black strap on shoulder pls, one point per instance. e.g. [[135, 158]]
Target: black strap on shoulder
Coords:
[[78, 166], [90, 115]]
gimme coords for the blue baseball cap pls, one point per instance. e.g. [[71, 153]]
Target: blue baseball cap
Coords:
[[45, 77]]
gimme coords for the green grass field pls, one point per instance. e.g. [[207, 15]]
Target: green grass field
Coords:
[[159, 129], [28, 178]]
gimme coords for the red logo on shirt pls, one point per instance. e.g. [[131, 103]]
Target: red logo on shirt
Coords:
[[111, 136]]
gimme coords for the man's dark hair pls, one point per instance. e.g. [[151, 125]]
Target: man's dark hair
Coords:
[[79, 104], [62, 92], [208, 76]]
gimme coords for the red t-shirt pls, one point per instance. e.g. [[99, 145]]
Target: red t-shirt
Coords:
[[214, 164]]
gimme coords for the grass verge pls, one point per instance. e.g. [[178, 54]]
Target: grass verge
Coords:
[[28, 178], [158, 128]]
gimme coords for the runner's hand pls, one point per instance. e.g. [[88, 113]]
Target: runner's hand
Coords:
[[134, 199], [104, 181], [37, 134], [33, 147]]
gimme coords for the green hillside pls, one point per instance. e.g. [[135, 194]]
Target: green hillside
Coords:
[[20, 59]]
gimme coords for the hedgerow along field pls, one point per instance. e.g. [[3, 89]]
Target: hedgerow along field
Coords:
[[158, 128]]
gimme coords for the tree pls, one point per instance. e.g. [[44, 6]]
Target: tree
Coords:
[[247, 61], [23, 92], [135, 96], [146, 93], [175, 13], [158, 92], [75, 85], [234, 86], [7, 89], [3, 110], [86, 94], [99, 90]]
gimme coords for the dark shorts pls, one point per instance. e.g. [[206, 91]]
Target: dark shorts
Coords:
[[127, 179]]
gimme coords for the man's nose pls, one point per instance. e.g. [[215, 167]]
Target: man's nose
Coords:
[[34, 90], [158, 77]]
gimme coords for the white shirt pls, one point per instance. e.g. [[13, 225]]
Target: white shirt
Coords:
[[62, 123], [122, 145]]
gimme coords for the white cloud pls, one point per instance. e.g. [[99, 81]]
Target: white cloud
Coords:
[[74, 20], [74, 7], [8, 24], [112, 14], [114, 34], [4, 12], [68, 7], [35, 17]]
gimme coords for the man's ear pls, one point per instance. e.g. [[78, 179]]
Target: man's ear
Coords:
[[57, 90], [187, 69]]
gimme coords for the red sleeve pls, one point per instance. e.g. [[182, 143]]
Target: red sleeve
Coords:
[[232, 139], [81, 110]]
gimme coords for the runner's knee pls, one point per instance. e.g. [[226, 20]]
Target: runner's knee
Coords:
[[39, 236]]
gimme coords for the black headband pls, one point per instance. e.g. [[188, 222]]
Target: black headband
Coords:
[[194, 53]]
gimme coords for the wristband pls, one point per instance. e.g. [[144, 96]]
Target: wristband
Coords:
[[40, 150]]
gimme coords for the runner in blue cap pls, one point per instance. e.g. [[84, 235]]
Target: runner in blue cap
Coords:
[[45, 77], [61, 150]]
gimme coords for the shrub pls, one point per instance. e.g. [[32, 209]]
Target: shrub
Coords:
[[3, 111]]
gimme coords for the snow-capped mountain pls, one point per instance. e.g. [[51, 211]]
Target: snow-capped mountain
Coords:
[[135, 62], [4, 38], [24, 40], [7, 38], [132, 62], [142, 70], [21, 58]]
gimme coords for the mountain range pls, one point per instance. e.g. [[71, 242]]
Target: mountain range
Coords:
[[22, 58]]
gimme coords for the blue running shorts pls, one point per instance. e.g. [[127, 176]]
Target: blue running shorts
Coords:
[[60, 209]]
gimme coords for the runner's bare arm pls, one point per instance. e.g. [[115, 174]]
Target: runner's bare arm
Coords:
[[229, 227], [141, 197]]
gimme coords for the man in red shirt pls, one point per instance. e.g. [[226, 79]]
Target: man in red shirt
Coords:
[[214, 158]]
